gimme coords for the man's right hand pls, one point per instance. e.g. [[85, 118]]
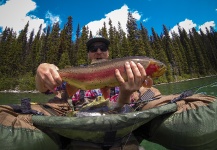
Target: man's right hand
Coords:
[[47, 77]]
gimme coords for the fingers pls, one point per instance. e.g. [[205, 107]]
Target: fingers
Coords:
[[142, 71], [131, 69], [57, 80], [139, 74], [135, 76], [131, 81], [119, 77], [130, 77], [49, 76]]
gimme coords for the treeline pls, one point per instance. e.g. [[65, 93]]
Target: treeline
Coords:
[[186, 55]]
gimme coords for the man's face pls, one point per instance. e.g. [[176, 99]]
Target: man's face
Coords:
[[98, 50]]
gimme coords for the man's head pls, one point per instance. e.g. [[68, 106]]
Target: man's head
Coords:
[[97, 48]]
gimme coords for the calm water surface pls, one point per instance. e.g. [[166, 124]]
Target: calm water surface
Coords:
[[14, 98], [206, 85]]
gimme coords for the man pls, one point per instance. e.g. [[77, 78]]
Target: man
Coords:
[[47, 77]]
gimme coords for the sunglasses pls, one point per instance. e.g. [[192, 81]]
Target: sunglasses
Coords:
[[103, 48]]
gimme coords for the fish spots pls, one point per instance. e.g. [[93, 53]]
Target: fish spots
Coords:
[[102, 74]]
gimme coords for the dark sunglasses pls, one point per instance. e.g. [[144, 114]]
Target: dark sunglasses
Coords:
[[103, 48]]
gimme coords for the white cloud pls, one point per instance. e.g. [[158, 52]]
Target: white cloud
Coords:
[[207, 25], [146, 19], [52, 18], [136, 15], [14, 14], [118, 15], [186, 24]]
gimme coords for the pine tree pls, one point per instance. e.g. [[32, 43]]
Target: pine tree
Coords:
[[121, 41], [20, 50], [212, 48], [190, 57], [65, 43], [112, 48], [4, 51], [140, 46], [53, 45], [36, 51], [104, 31], [28, 63], [197, 48], [116, 46], [172, 55], [11, 40], [7, 60], [74, 59], [160, 54], [146, 42], [45, 46], [132, 34], [64, 60], [82, 49], [159, 51], [69, 30], [180, 57], [211, 61]]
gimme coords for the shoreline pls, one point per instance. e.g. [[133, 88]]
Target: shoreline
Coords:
[[19, 91], [187, 80], [36, 91]]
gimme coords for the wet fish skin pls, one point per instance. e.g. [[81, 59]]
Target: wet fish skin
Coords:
[[100, 75]]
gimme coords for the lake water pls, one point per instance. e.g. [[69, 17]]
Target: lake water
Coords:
[[206, 85]]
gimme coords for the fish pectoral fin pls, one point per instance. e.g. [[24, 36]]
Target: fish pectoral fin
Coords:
[[71, 90], [105, 92], [148, 82]]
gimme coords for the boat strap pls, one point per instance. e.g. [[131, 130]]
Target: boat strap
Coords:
[[182, 95]]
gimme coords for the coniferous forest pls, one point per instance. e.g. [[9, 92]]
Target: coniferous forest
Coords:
[[186, 55]]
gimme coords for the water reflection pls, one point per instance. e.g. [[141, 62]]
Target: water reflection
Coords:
[[203, 85]]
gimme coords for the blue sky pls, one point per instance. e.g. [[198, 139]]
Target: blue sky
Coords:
[[151, 13]]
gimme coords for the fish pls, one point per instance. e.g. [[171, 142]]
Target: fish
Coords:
[[102, 75]]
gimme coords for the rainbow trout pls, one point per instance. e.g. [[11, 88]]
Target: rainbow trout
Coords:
[[100, 75]]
